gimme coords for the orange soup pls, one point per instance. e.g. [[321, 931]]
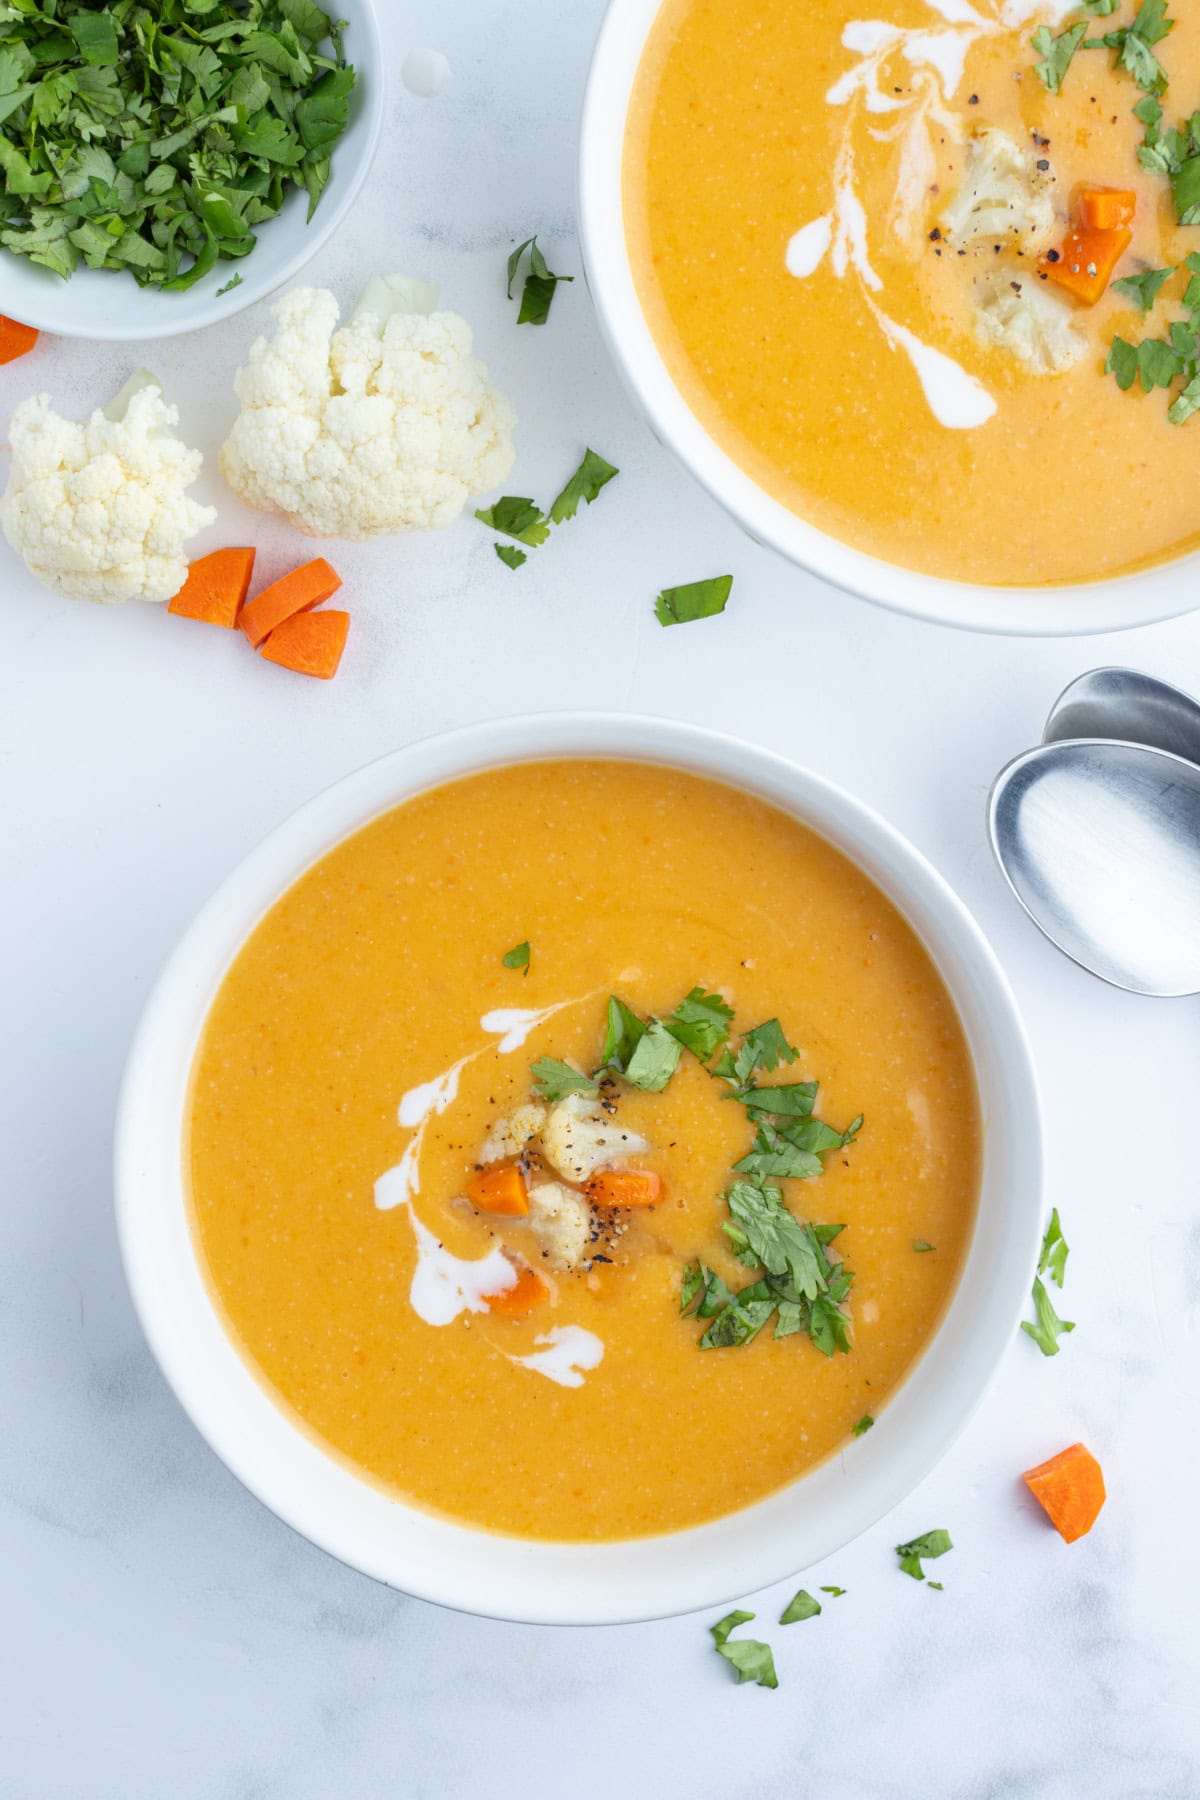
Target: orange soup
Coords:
[[906, 283], [508, 1168]]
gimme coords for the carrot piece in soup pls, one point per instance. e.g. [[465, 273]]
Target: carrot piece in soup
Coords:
[[1106, 209], [298, 592], [311, 643], [1085, 264], [1070, 1489], [15, 339], [624, 1187], [499, 1190], [528, 1291], [216, 587]]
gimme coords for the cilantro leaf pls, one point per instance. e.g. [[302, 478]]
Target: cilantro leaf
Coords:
[[1047, 1328], [800, 1606], [623, 1034], [553, 1080], [1055, 1251], [1143, 290], [932, 1544], [773, 1154], [1185, 403], [700, 1023], [796, 1100], [695, 600], [776, 1236], [742, 1319], [1122, 363], [540, 283], [510, 554], [1056, 53], [701, 1282], [864, 1425], [156, 140], [517, 957], [1185, 190], [592, 474], [751, 1659], [655, 1058], [769, 1045], [517, 517]]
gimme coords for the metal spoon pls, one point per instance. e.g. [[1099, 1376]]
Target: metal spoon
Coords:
[[1130, 706], [1100, 843]]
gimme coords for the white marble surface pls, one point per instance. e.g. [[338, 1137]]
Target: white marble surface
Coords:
[[164, 1636]]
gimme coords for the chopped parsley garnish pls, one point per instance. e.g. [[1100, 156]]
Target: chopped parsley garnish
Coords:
[[751, 1660], [802, 1287], [1160, 361], [158, 140], [1055, 1251], [929, 1546], [622, 1036], [920, 1245], [1047, 1328], [517, 517], [1133, 44], [701, 1023], [540, 283], [800, 1606], [517, 957], [655, 1059], [592, 474], [1143, 290], [837, 1592], [695, 600], [936, 1584], [864, 1425], [554, 1080], [1057, 53]]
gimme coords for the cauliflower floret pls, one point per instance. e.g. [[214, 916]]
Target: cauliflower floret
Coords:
[[98, 511], [1016, 313], [388, 424], [561, 1221], [509, 1136], [579, 1137], [1004, 196]]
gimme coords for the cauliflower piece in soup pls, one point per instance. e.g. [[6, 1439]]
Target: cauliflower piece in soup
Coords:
[[99, 511], [386, 424], [1016, 313], [509, 1135], [561, 1222], [580, 1138], [1004, 197]]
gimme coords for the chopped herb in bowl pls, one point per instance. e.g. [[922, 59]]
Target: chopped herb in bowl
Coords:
[[157, 136]]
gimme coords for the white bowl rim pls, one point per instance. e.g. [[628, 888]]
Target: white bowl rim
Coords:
[[1120, 603], [198, 307], [570, 1583]]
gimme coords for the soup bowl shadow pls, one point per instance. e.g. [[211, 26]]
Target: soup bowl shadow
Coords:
[[1120, 603], [458, 1565]]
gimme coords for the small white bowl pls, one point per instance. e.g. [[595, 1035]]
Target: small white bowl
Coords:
[[508, 1577], [1114, 605], [108, 304]]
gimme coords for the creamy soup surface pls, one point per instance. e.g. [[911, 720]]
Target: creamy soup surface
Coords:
[[889, 361], [368, 1038]]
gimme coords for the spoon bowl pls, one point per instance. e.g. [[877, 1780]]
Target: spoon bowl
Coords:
[[1100, 843], [1125, 704]]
